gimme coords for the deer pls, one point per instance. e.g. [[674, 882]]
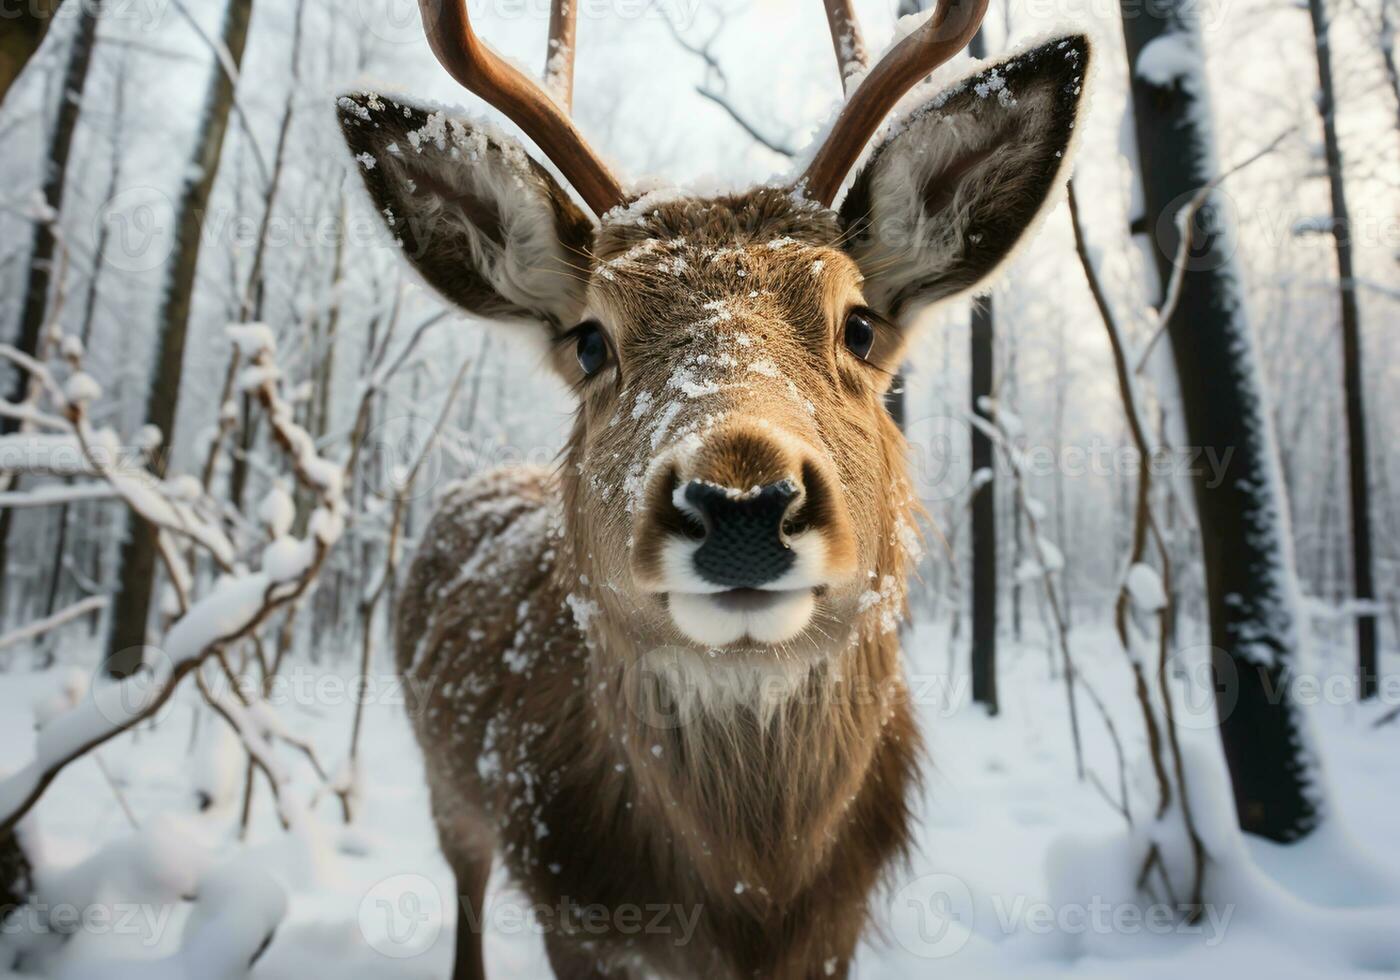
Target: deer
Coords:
[[665, 673]]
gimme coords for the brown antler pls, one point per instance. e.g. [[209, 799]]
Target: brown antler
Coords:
[[846, 39], [478, 68], [559, 53], [947, 32]]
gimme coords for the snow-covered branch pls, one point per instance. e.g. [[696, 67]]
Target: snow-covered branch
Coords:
[[235, 605]]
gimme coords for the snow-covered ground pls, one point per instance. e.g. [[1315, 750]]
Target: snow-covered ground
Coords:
[[1021, 869]]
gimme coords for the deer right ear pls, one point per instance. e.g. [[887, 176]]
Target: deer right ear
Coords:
[[483, 223], [944, 200]]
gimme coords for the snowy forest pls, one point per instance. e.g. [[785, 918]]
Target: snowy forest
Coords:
[[1152, 641]]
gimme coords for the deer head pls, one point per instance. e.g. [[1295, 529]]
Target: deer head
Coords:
[[733, 480]]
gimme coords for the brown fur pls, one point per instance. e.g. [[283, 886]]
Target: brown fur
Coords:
[[775, 819], [757, 791]]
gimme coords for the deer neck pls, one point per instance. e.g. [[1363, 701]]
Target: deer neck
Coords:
[[748, 770]]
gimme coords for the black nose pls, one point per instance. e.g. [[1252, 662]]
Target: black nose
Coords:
[[743, 547]]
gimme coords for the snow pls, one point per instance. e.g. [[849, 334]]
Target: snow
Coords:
[[286, 558], [1001, 811], [277, 511], [1018, 870], [82, 387], [252, 339], [1168, 58], [1145, 588]]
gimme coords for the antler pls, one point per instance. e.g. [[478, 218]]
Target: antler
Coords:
[[846, 39], [478, 68], [559, 53], [943, 35]]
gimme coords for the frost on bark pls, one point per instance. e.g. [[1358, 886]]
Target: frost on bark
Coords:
[[138, 559], [1254, 616]]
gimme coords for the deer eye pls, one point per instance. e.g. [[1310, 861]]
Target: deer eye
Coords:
[[592, 348], [860, 333]]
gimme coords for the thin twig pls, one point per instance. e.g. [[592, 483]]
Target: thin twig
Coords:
[[1186, 222]]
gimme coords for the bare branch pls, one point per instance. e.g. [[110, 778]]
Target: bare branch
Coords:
[[39, 627]]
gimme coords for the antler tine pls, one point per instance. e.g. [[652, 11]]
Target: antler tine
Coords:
[[846, 38], [943, 35], [559, 53], [478, 68]]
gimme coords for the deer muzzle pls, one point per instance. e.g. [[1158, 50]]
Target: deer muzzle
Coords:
[[742, 537]]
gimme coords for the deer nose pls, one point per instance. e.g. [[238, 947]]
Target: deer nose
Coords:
[[743, 545]]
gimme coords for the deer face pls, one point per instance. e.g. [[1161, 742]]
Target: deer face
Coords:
[[733, 458], [733, 479]]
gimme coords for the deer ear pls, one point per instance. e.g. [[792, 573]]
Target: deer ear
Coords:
[[943, 201], [481, 221]]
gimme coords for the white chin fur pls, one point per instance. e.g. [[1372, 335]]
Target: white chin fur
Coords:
[[705, 620]]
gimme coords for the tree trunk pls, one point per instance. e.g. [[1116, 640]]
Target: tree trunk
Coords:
[[138, 560], [65, 513], [35, 301], [16, 874], [1250, 580], [1387, 46], [25, 25], [984, 517], [1354, 381]]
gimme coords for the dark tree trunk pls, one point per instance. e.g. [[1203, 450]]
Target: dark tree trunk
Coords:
[[138, 560], [1386, 37], [895, 402], [25, 25], [984, 503], [16, 874], [1248, 559], [34, 304], [1354, 381], [984, 517], [99, 253]]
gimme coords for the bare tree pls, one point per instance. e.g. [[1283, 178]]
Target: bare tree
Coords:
[[138, 561], [984, 504], [1255, 628], [984, 513], [1354, 381], [35, 298]]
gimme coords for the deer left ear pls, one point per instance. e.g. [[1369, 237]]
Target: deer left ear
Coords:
[[944, 200]]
